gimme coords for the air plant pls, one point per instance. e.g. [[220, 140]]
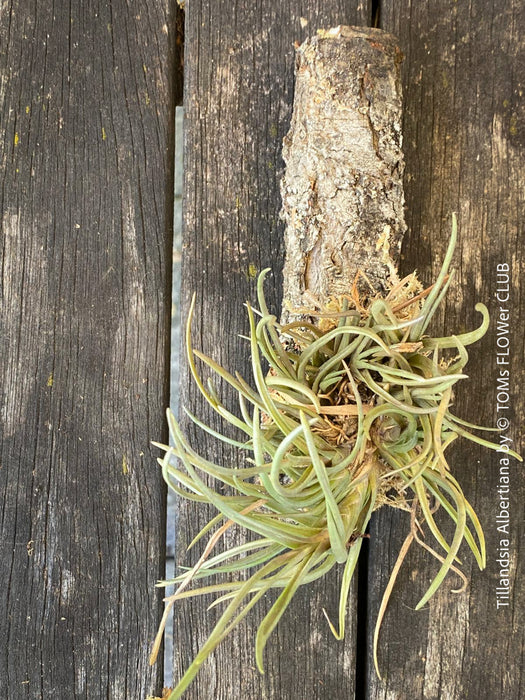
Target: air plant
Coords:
[[352, 414]]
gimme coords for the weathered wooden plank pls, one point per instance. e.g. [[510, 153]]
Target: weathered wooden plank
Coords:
[[86, 108], [239, 61], [464, 136]]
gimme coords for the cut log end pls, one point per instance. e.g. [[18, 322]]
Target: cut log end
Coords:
[[342, 192]]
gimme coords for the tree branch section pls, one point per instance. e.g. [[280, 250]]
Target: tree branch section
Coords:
[[342, 191]]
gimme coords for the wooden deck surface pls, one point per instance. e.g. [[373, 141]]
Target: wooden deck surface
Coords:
[[464, 138], [87, 95], [86, 108]]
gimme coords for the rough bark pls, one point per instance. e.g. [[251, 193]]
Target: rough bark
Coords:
[[342, 191]]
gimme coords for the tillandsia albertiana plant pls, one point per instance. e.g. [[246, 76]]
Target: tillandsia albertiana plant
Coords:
[[353, 413]]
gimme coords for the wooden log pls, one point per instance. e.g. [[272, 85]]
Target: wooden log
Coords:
[[86, 108], [238, 103], [464, 140], [342, 190]]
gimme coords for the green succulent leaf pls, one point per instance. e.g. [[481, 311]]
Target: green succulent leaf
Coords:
[[353, 414]]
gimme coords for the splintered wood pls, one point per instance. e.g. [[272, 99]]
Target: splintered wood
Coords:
[[342, 190]]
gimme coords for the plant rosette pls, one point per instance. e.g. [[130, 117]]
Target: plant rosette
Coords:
[[352, 413]]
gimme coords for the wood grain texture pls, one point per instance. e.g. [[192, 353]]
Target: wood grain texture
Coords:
[[86, 109], [464, 139], [239, 61]]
